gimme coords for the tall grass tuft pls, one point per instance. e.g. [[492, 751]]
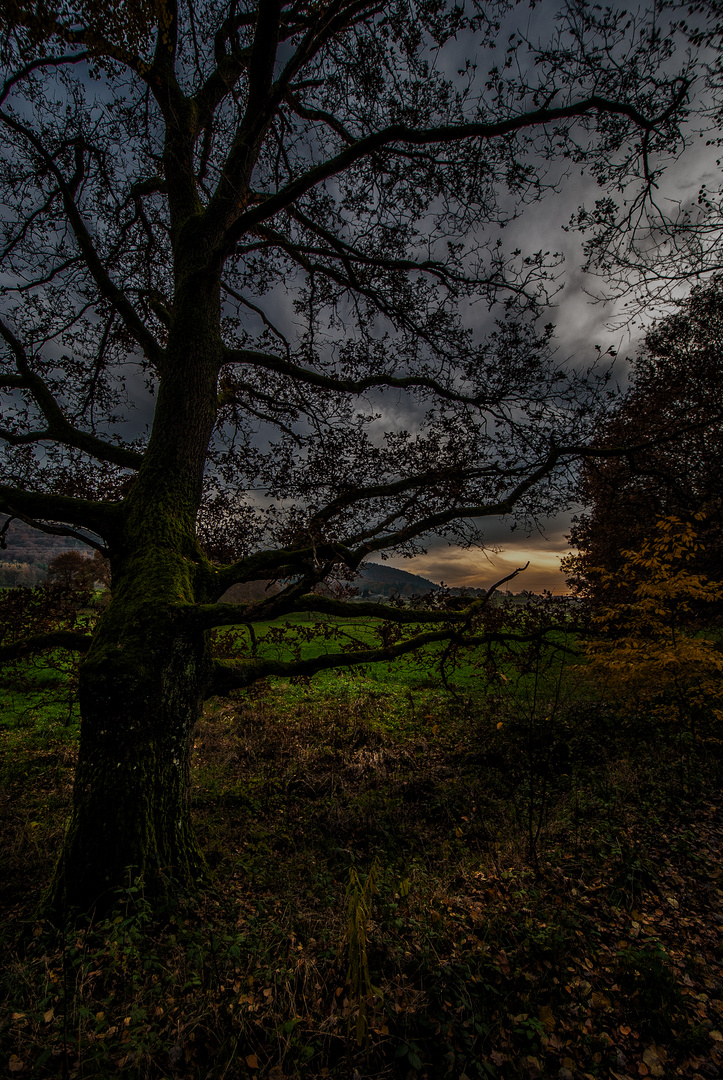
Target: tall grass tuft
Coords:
[[356, 942]]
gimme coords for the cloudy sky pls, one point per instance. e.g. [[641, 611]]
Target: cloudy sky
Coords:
[[582, 323], [582, 327]]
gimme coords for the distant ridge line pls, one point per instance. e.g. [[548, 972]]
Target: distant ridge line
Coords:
[[392, 575]]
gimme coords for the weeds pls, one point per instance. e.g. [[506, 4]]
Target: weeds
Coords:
[[358, 914]]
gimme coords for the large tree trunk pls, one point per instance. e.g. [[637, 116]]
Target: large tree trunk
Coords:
[[143, 679], [131, 814]]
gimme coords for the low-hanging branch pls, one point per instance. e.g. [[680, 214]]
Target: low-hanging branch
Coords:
[[42, 507], [230, 675], [72, 640], [210, 616]]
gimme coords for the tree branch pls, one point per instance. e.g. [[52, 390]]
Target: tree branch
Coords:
[[100, 518], [230, 675], [35, 65], [443, 134], [72, 640], [59, 428], [106, 286], [278, 364]]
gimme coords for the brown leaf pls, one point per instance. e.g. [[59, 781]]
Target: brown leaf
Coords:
[[252, 1061], [15, 1064], [546, 1017]]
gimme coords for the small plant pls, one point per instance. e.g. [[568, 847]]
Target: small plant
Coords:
[[634, 873], [651, 992], [359, 906]]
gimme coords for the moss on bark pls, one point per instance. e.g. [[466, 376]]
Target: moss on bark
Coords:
[[131, 814], [141, 690]]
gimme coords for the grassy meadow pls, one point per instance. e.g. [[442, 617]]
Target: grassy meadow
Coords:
[[505, 873]]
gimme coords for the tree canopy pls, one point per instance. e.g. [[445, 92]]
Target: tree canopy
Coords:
[[669, 418], [251, 220]]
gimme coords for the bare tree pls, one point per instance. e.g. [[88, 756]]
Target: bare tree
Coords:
[[265, 215]]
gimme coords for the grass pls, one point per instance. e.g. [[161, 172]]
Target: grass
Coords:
[[547, 894]]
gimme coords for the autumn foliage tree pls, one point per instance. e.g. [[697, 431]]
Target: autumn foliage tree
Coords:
[[254, 218], [669, 419], [655, 645]]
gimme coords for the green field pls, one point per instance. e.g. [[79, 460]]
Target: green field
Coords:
[[547, 891]]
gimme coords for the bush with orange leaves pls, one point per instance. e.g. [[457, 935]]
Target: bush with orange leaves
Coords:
[[660, 648]]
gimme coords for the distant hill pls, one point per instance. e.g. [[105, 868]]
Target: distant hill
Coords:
[[28, 545], [378, 579], [373, 579], [28, 552]]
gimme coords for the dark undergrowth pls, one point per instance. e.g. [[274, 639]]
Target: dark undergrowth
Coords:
[[545, 898]]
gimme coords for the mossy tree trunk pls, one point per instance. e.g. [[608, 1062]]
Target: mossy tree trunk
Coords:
[[143, 680], [130, 816]]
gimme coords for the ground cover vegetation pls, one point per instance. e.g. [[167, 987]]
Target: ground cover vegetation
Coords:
[[510, 876], [252, 219]]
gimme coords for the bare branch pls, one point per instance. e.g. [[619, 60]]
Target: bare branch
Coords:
[[230, 675], [278, 364], [448, 133], [107, 287], [36, 65], [59, 429]]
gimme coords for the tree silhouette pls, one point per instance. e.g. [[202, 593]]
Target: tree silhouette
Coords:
[[264, 215], [669, 417]]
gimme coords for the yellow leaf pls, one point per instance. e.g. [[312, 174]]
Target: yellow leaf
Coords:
[[546, 1018]]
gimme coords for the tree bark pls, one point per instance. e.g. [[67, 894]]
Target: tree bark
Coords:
[[144, 678], [131, 815]]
